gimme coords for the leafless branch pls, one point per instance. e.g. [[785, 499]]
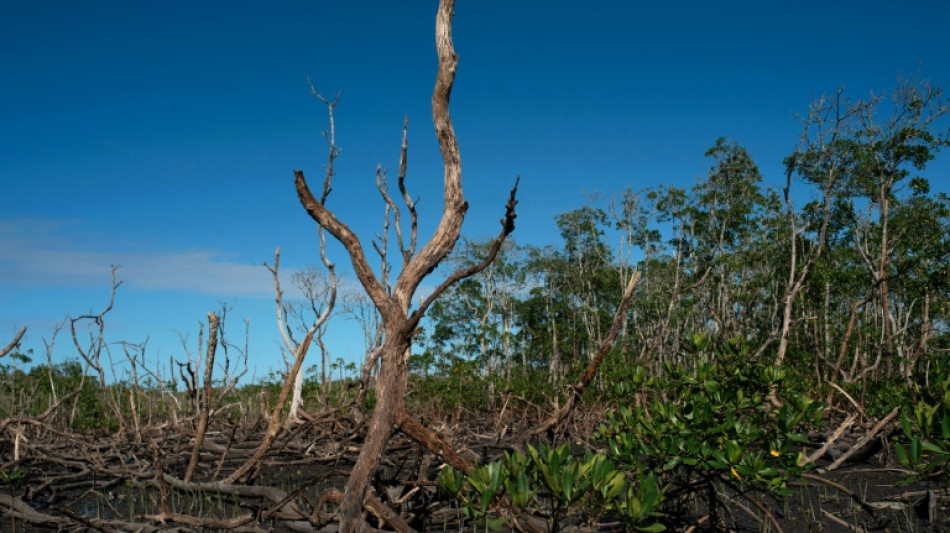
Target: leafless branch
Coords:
[[507, 226], [578, 390], [91, 355], [410, 205], [13, 344]]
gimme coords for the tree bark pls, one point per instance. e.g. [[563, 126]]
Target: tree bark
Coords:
[[399, 325], [213, 322], [390, 390]]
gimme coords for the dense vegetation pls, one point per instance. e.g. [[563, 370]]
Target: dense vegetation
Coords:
[[856, 226]]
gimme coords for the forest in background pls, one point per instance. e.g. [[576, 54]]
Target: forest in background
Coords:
[[850, 287]]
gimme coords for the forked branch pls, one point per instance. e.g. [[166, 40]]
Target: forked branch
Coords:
[[453, 213], [397, 324], [507, 227]]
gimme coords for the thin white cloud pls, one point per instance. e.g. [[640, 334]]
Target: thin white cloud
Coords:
[[47, 253], [198, 271]]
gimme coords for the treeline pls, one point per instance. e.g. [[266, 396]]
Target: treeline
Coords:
[[842, 275]]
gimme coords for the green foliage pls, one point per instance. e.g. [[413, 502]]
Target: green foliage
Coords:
[[718, 256], [926, 426], [712, 422], [558, 485], [91, 410], [881, 396], [625, 383], [13, 477], [460, 385]]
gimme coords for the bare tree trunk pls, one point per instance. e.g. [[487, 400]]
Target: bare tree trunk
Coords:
[[888, 324], [926, 328], [796, 281], [390, 388], [296, 399], [206, 399], [399, 325]]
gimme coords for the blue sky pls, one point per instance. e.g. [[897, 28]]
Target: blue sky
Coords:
[[162, 136]]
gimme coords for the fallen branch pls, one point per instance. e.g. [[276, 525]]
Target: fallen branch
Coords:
[[842, 523], [864, 440], [850, 399], [24, 511], [214, 523], [805, 460], [432, 442]]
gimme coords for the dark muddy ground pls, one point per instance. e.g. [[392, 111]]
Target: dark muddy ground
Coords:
[[66, 482]]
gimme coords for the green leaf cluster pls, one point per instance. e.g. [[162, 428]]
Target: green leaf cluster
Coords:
[[925, 446], [554, 483], [726, 418]]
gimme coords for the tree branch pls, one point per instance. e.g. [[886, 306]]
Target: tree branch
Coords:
[[213, 322], [16, 340], [591, 371], [410, 205], [507, 226], [449, 228]]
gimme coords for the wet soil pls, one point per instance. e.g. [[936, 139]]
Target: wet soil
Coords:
[[65, 482]]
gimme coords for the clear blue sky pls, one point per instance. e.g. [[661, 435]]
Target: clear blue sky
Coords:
[[161, 136]]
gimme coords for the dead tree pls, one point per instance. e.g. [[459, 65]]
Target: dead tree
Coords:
[[205, 400], [92, 353], [399, 322], [819, 116]]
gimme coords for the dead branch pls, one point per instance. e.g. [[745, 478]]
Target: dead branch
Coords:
[[432, 442], [202, 522], [13, 344], [213, 322], [854, 402], [507, 226], [591, 370], [350, 241], [449, 228], [837, 486], [864, 440], [294, 377], [384, 513], [829, 442], [91, 355], [274, 422], [20, 509], [410, 205]]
